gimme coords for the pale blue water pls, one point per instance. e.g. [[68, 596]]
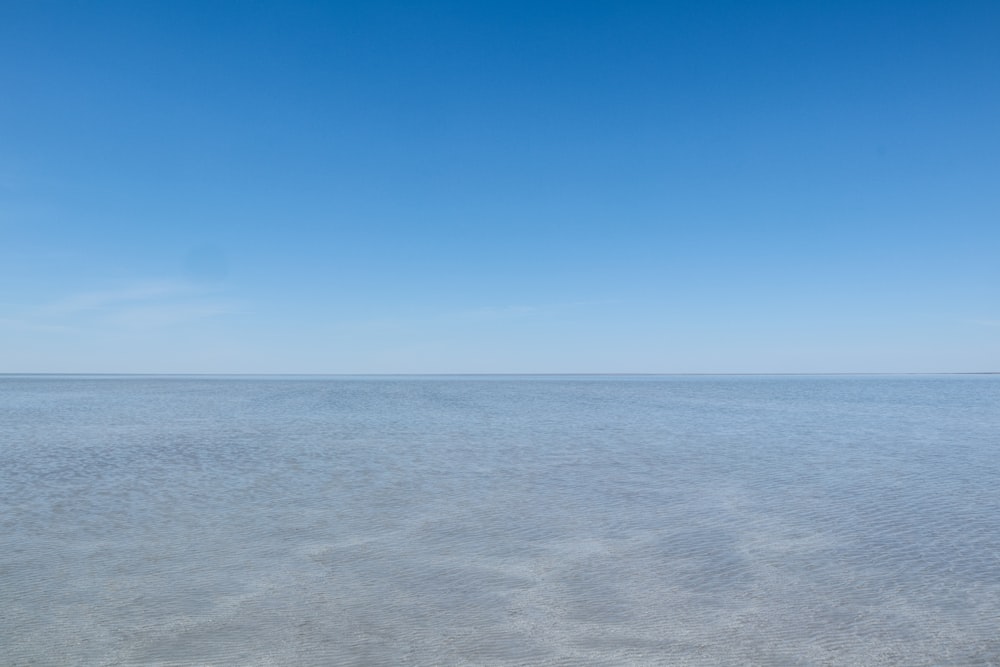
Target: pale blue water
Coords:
[[500, 521]]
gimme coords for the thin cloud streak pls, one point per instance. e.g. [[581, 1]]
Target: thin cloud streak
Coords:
[[145, 305], [155, 317], [15, 324], [498, 313], [985, 322], [102, 299]]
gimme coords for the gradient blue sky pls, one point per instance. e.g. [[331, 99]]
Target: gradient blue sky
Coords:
[[375, 187]]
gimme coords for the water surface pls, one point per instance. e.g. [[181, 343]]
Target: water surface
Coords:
[[500, 521]]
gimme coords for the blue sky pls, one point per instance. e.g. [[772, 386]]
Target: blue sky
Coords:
[[377, 187]]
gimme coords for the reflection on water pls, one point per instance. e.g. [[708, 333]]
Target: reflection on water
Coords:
[[500, 521]]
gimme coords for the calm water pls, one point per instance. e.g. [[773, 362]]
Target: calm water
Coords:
[[500, 521]]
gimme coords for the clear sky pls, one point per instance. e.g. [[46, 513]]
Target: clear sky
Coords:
[[381, 187]]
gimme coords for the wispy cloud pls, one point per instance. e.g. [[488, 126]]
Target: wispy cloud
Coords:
[[473, 315], [498, 312], [511, 312], [144, 305], [23, 324], [157, 316], [89, 301]]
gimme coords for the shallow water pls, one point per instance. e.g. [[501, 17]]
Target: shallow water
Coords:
[[500, 521]]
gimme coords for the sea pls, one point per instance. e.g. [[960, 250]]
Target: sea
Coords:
[[500, 520]]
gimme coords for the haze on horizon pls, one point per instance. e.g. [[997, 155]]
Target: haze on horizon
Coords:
[[548, 187]]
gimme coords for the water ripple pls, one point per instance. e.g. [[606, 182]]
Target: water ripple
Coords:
[[500, 521]]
